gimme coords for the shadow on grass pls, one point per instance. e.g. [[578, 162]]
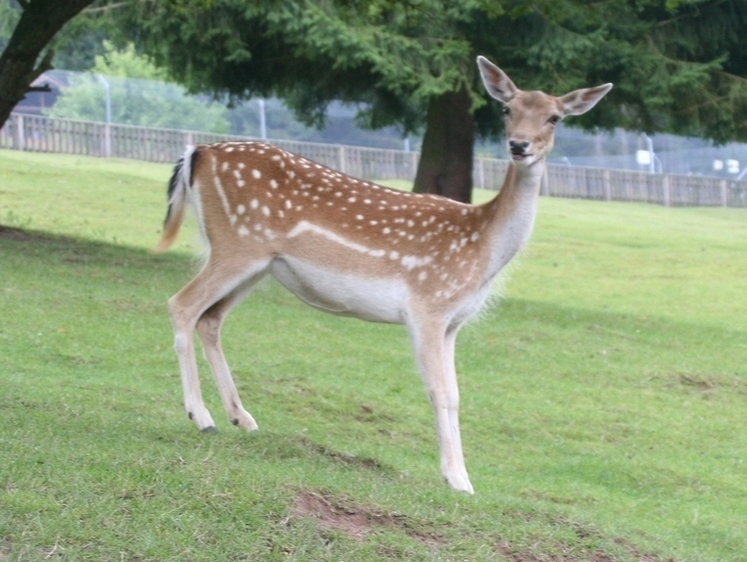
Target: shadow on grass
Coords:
[[77, 250]]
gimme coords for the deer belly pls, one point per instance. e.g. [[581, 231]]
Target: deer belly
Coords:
[[345, 294]]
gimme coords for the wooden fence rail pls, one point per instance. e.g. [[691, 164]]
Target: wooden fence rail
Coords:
[[46, 134]]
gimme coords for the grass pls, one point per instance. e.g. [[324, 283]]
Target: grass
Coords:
[[603, 400]]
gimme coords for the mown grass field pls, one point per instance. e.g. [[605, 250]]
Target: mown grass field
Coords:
[[604, 400]]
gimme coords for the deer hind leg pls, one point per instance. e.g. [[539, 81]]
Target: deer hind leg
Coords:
[[434, 351], [208, 327], [186, 308]]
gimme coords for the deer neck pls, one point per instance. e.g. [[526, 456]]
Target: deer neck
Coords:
[[511, 213]]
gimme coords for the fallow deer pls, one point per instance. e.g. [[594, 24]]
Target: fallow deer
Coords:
[[353, 248]]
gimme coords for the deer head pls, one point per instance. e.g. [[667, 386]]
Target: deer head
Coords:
[[531, 117]]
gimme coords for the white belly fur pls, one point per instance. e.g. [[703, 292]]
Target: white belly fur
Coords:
[[371, 299]]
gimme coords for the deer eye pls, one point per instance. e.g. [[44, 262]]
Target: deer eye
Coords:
[[505, 111], [554, 119]]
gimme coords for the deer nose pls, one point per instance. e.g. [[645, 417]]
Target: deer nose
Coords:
[[518, 147]]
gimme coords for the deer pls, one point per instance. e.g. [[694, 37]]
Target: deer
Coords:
[[353, 248]]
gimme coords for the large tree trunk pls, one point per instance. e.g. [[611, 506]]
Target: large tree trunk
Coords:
[[40, 21], [446, 156]]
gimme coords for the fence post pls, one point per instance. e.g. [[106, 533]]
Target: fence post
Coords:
[[607, 185], [665, 190], [20, 139], [107, 148], [188, 141], [341, 158], [481, 172], [724, 201], [545, 185]]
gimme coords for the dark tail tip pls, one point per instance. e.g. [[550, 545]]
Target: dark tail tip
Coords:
[[173, 182]]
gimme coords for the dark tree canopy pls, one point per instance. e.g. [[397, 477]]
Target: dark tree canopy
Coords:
[[678, 66]]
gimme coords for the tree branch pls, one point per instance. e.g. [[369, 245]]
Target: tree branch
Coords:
[[694, 14], [44, 65], [105, 8], [44, 88]]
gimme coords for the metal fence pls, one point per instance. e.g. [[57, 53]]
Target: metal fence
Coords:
[[45, 134]]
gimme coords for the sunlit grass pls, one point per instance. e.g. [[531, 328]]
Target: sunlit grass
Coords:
[[603, 400], [111, 200]]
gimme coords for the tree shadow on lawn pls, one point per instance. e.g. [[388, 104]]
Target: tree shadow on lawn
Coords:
[[46, 254]]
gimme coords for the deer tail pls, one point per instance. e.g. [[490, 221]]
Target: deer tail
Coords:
[[180, 182]]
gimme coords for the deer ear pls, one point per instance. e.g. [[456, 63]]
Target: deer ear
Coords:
[[581, 101], [497, 83]]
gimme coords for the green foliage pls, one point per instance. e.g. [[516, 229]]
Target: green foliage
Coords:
[[79, 41], [78, 44], [10, 13], [602, 401], [138, 97], [312, 52], [677, 65], [126, 63]]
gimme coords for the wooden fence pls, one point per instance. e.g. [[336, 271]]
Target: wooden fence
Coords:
[[45, 134]]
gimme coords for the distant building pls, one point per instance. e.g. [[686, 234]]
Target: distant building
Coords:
[[36, 102]]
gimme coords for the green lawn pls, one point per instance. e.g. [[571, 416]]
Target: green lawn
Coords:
[[604, 398]]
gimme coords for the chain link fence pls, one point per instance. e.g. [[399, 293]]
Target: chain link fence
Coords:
[[46, 134]]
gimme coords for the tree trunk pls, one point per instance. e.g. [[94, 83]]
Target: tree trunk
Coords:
[[40, 21], [445, 166]]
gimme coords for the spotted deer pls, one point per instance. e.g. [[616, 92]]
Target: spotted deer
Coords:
[[353, 248]]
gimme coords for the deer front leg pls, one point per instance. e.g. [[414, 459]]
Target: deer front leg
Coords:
[[453, 393], [433, 348], [209, 327]]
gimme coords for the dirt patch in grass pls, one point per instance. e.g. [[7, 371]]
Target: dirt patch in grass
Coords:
[[354, 520], [333, 514]]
